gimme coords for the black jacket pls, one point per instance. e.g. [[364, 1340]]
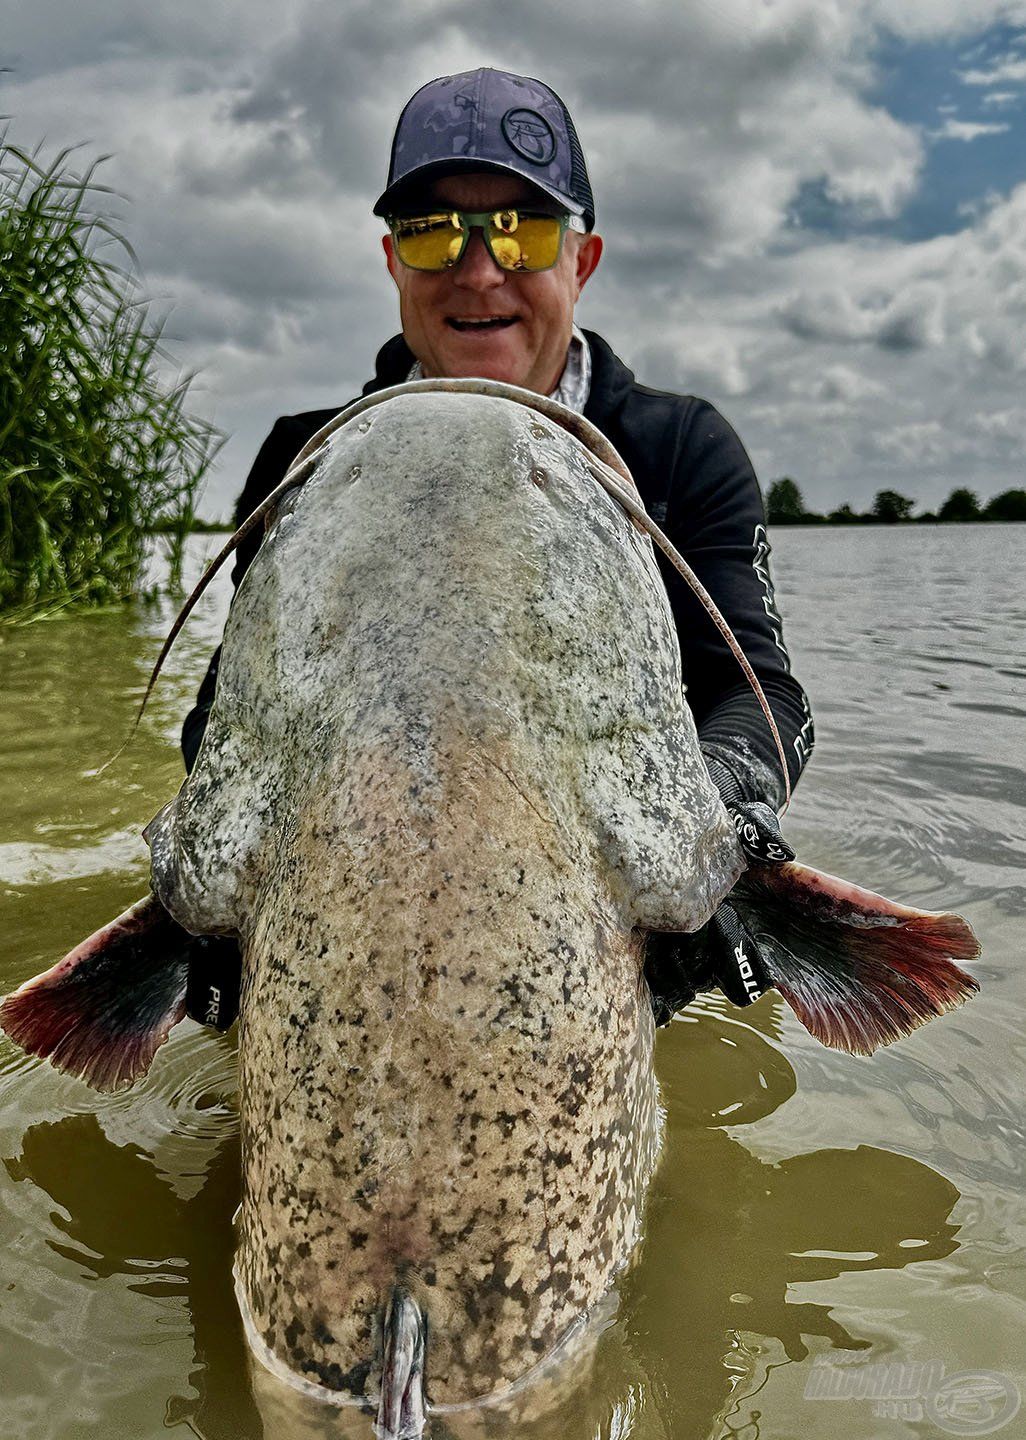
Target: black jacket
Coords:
[[698, 485]]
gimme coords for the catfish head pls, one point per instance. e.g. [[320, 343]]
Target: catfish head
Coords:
[[449, 584]]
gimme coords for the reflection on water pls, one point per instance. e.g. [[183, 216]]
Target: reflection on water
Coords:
[[806, 1204], [726, 1236], [164, 1246]]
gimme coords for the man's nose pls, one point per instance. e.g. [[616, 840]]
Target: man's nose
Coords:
[[477, 270]]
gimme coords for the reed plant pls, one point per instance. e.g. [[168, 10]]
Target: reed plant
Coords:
[[97, 450]]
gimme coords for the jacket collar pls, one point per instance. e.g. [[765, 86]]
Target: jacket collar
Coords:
[[611, 380]]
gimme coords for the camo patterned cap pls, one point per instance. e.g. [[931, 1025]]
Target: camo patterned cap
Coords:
[[489, 120]]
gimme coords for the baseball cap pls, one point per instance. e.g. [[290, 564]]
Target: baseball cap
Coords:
[[489, 120]]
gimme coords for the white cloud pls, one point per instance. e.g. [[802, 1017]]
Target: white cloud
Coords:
[[1008, 425], [944, 19], [1004, 72], [709, 359], [840, 383], [937, 329], [966, 130], [909, 318], [1001, 99], [253, 138]]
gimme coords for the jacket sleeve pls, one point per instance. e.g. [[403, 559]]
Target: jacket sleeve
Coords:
[[273, 459], [715, 518]]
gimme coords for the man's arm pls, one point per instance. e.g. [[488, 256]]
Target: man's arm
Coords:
[[715, 518]]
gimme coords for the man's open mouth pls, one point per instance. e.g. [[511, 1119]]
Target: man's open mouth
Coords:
[[492, 322]]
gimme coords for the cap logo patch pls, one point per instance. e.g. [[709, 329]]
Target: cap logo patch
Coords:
[[530, 135]]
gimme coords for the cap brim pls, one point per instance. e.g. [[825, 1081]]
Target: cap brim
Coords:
[[393, 196]]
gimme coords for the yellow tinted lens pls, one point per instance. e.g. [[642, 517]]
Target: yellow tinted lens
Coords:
[[524, 242], [428, 242]]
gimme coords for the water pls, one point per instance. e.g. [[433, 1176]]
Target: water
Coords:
[[810, 1208]]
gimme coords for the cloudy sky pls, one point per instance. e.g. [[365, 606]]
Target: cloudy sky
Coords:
[[814, 210]]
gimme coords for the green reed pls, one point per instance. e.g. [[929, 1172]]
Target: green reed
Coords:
[[97, 451]]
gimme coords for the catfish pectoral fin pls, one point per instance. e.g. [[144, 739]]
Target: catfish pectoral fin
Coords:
[[103, 1011], [859, 971]]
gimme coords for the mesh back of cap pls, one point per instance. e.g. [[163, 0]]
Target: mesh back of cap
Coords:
[[580, 185]]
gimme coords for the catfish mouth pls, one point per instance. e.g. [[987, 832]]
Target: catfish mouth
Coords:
[[487, 324]]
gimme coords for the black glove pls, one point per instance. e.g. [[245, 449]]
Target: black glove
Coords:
[[736, 962], [723, 953], [677, 966], [215, 979], [756, 824]]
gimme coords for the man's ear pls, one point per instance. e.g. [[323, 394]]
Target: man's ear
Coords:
[[390, 260], [589, 252]]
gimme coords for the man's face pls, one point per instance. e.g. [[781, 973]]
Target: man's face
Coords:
[[531, 315]]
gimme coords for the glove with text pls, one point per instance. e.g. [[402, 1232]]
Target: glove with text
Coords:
[[723, 953], [734, 960]]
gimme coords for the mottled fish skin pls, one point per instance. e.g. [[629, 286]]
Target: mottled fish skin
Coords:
[[449, 781]]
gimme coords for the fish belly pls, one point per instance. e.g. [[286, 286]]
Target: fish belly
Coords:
[[447, 1083]]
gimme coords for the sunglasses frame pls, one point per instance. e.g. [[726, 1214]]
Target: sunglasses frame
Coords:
[[471, 220]]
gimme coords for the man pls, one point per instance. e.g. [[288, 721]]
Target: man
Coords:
[[490, 241]]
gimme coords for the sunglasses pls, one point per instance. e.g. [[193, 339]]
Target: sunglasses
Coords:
[[516, 239]]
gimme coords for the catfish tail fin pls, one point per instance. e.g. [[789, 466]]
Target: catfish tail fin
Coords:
[[103, 1011], [859, 971], [402, 1409]]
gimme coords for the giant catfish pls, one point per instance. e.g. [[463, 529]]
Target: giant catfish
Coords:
[[449, 785]]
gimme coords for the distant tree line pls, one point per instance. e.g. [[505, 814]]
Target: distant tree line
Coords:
[[785, 506]]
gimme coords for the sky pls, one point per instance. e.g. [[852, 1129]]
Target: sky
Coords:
[[814, 210]]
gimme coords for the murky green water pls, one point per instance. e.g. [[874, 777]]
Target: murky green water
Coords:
[[810, 1211]]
